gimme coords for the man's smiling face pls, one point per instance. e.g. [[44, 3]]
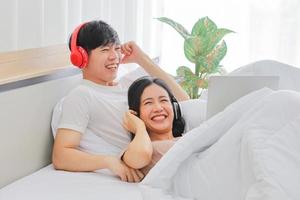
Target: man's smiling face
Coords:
[[103, 64]]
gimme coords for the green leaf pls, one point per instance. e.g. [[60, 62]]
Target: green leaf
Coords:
[[184, 72], [214, 58], [178, 27], [189, 81], [210, 63], [202, 64], [218, 53], [194, 47], [215, 37], [203, 27]]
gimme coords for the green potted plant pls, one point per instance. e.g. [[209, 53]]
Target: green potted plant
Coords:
[[204, 48]]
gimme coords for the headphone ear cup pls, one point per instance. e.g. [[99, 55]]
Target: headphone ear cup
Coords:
[[177, 112], [79, 57], [84, 55]]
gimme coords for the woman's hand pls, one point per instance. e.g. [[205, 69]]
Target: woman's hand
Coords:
[[132, 123], [126, 173], [139, 151], [132, 53]]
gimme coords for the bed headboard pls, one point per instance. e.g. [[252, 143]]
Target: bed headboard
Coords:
[[25, 116]]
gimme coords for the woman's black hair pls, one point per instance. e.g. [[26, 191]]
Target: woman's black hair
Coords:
[[95, 34], [136, 90]]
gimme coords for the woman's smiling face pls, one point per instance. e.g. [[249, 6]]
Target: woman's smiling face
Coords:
[[156, 110]]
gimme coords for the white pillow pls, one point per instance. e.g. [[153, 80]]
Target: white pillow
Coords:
[[289, 75], [194, 112], [128, 78]]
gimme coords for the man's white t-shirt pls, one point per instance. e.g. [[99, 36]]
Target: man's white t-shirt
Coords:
[[97, 111]]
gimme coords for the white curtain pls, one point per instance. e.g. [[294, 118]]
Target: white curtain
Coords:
[[265, 29], [37, 23]]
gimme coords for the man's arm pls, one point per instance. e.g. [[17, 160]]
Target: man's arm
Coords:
[[134, 54], [67, 157], [154, 70]]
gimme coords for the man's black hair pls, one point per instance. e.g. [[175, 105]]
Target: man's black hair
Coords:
[[96, 34]]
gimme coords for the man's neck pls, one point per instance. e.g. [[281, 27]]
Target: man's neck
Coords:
[[100, 82]]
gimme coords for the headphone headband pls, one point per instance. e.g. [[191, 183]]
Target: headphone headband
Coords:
[[75, 36]]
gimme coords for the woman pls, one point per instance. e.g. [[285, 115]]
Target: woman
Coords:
[[155, 121], [251, 149]]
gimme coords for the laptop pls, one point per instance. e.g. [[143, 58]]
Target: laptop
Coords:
[[224, 90]]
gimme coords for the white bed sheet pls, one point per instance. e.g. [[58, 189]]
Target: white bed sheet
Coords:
[[49, 183]]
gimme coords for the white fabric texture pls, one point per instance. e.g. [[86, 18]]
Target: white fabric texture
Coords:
[[96, 112], [51, 184], [128, 78], [254, 153], [193, 112], [289, 75]]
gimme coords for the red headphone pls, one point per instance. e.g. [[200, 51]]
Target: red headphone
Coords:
[[79, 57]]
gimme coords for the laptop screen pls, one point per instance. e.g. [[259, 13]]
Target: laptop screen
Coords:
[[224, 90]]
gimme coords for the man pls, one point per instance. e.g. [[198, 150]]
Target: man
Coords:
[[90, 135]]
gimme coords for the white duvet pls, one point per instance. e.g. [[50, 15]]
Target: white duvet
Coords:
[[249, 151]]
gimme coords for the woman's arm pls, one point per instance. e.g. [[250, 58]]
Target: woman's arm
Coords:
[[139, 151], [134, 54]]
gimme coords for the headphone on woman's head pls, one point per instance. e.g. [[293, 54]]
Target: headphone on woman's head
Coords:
[[176, 107], [79, 57], [178, 122]]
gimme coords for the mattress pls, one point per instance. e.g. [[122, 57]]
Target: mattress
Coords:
[[49, 183]]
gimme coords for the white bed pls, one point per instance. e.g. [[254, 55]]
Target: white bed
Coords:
[[47, 183]]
